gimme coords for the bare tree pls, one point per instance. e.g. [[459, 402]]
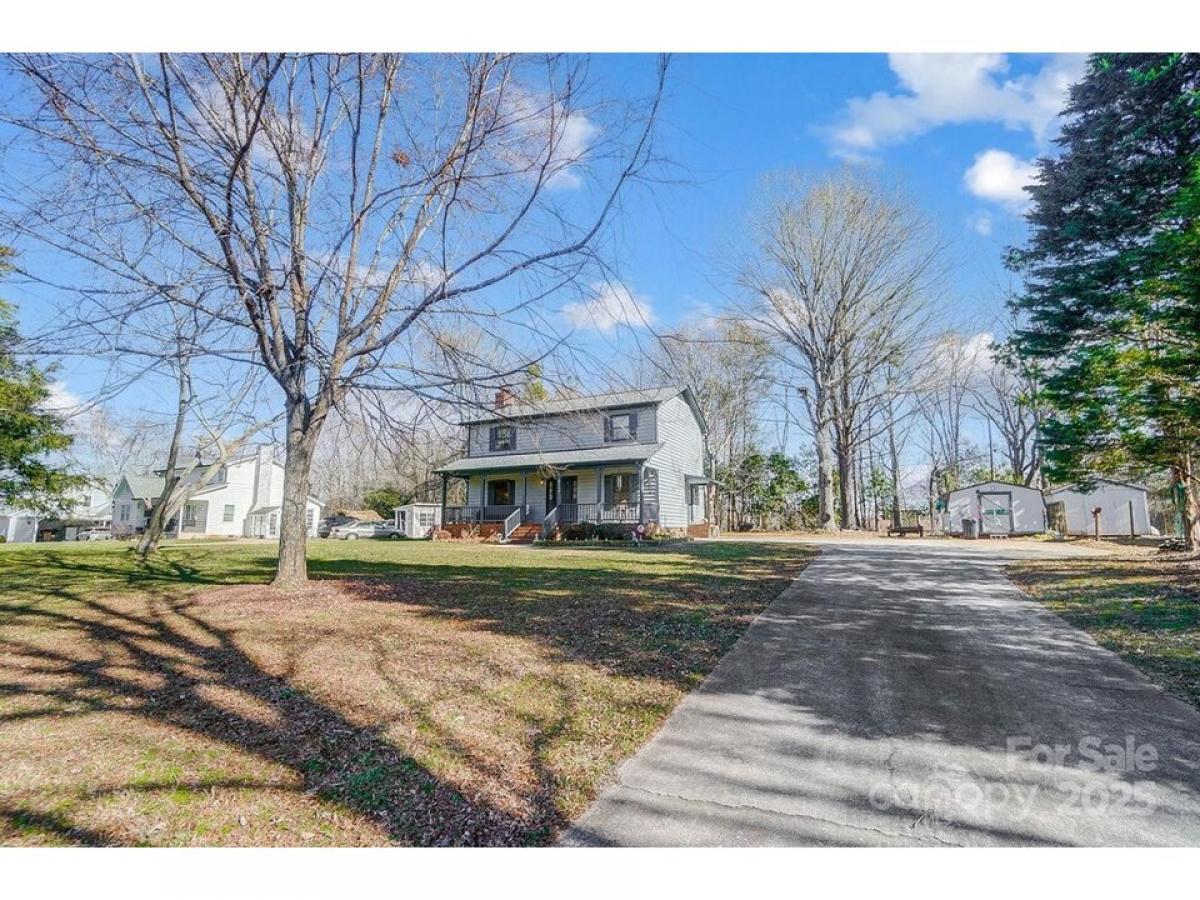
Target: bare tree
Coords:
[[945, 396], [1005, 395], [841, 277], [358, 217], [728, 367]]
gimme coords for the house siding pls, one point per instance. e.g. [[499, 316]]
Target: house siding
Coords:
[[570, 431], [682, 454], [128, 513], [252, 482]]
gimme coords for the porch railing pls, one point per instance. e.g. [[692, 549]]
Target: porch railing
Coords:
[[618, 513], [549, 523], [473, 515], [512, 521]]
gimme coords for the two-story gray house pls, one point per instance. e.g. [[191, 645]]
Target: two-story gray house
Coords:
[[622, 458]]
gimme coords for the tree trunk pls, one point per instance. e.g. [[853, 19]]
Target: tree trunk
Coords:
[[825, 509], [1190, 507], [160, 515], [292, 568], [894, 461]]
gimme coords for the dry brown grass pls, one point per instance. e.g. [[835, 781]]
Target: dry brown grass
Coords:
[[420, 694]]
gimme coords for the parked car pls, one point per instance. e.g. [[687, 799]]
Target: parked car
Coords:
[[355, 530], [95, 534], [328, 523]]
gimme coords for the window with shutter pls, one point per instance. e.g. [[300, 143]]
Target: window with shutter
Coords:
[[502, 437]]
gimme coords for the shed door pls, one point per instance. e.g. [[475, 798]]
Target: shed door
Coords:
[[995, 513]]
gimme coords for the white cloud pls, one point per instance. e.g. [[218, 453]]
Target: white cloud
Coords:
[[543, 127], [611, 306], [948, 88], [981, 223], [62, 401], [1001, 177]]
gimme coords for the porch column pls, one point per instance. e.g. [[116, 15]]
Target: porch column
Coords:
[[445, 487], [599, 493], [524, 495], [558, 494], [641, 470]]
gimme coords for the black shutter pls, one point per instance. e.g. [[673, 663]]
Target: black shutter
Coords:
[[633, 426]]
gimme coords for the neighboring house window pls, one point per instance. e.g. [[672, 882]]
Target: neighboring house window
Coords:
[[189, 516], [502, 437], [425, 519], [229, 512], [124, 512], [620, 489], [621, 427], [220, 476], [308, 518], [272, 524]]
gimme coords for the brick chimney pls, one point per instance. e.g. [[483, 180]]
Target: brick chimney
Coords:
[[504, 396]]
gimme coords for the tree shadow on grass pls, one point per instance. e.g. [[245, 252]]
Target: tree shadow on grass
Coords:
[[163, 664], [669, 618]]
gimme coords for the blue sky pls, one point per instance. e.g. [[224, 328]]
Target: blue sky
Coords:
[[958, 132]]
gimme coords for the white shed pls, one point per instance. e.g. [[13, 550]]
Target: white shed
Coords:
[[418, 520], [997, 508], [18, 526], [1124, 508]]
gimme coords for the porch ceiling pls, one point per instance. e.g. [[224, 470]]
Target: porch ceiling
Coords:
[[624, 453]]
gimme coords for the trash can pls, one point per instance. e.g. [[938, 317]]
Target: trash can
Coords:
[[969, 529]]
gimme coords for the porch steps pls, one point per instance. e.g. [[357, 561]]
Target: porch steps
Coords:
[[525, 533]]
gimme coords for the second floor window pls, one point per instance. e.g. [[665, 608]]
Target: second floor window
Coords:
[[502, 437], [621, 427]]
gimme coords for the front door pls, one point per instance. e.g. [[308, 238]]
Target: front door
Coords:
[[570, 489]]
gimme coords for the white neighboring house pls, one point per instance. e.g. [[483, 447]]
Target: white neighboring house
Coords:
[[88, 507], [1124, 508], [241, 499], [418, 520], [622, 458], [997, 508], [18, 526]]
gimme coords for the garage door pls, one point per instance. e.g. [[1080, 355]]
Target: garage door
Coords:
[[995, 512]]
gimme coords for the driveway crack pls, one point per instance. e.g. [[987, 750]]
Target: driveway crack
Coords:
[[895, 835]]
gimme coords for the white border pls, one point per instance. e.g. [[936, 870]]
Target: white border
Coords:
[[625, 25]]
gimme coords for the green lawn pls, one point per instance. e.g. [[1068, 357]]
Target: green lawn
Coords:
[[1146, 608], [416, 693]]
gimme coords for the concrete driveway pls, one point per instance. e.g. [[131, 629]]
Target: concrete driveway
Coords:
[[908, 694]]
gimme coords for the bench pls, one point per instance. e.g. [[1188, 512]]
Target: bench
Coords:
[[902, 530]]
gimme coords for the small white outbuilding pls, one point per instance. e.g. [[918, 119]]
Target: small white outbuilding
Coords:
[[418, 520], [996, 508], [18, 526], [1124, 509]]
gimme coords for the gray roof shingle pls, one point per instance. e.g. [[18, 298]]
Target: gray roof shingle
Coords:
[[579, 404], [594, 456]]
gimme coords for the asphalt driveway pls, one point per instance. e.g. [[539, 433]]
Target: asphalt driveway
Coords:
[[908, 694]]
